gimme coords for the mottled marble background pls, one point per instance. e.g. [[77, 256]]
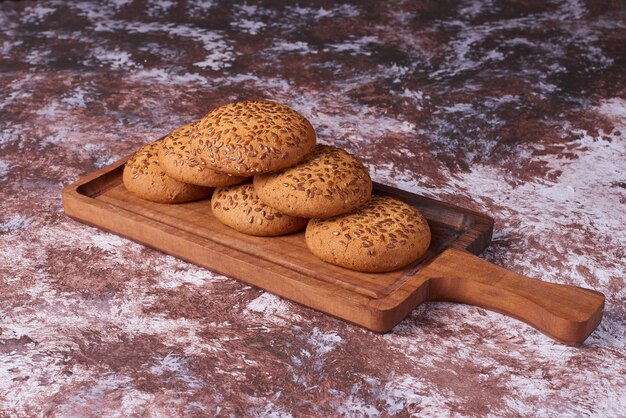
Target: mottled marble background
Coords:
[[517, 110]]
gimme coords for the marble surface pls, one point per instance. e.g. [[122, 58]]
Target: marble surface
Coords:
[[517, 110]]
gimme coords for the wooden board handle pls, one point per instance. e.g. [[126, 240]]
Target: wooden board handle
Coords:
[[566, 313]]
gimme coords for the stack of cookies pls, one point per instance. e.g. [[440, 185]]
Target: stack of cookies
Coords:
[[267, 177]]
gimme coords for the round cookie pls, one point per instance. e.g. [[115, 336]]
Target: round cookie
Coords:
[[240, 208], [327, 182], [179, 161], [144, 178], [248, 138], [384, 235]]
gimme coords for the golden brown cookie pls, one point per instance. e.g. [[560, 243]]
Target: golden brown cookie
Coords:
[[144, 177], [384, 235], [327, 182], [248, 138], [240, 208], [179, 161]]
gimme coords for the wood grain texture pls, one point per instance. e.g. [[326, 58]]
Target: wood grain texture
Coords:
[[377, 301], [566, 313]]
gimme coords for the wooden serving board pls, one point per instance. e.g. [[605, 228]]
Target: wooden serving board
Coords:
[[377, 301]]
